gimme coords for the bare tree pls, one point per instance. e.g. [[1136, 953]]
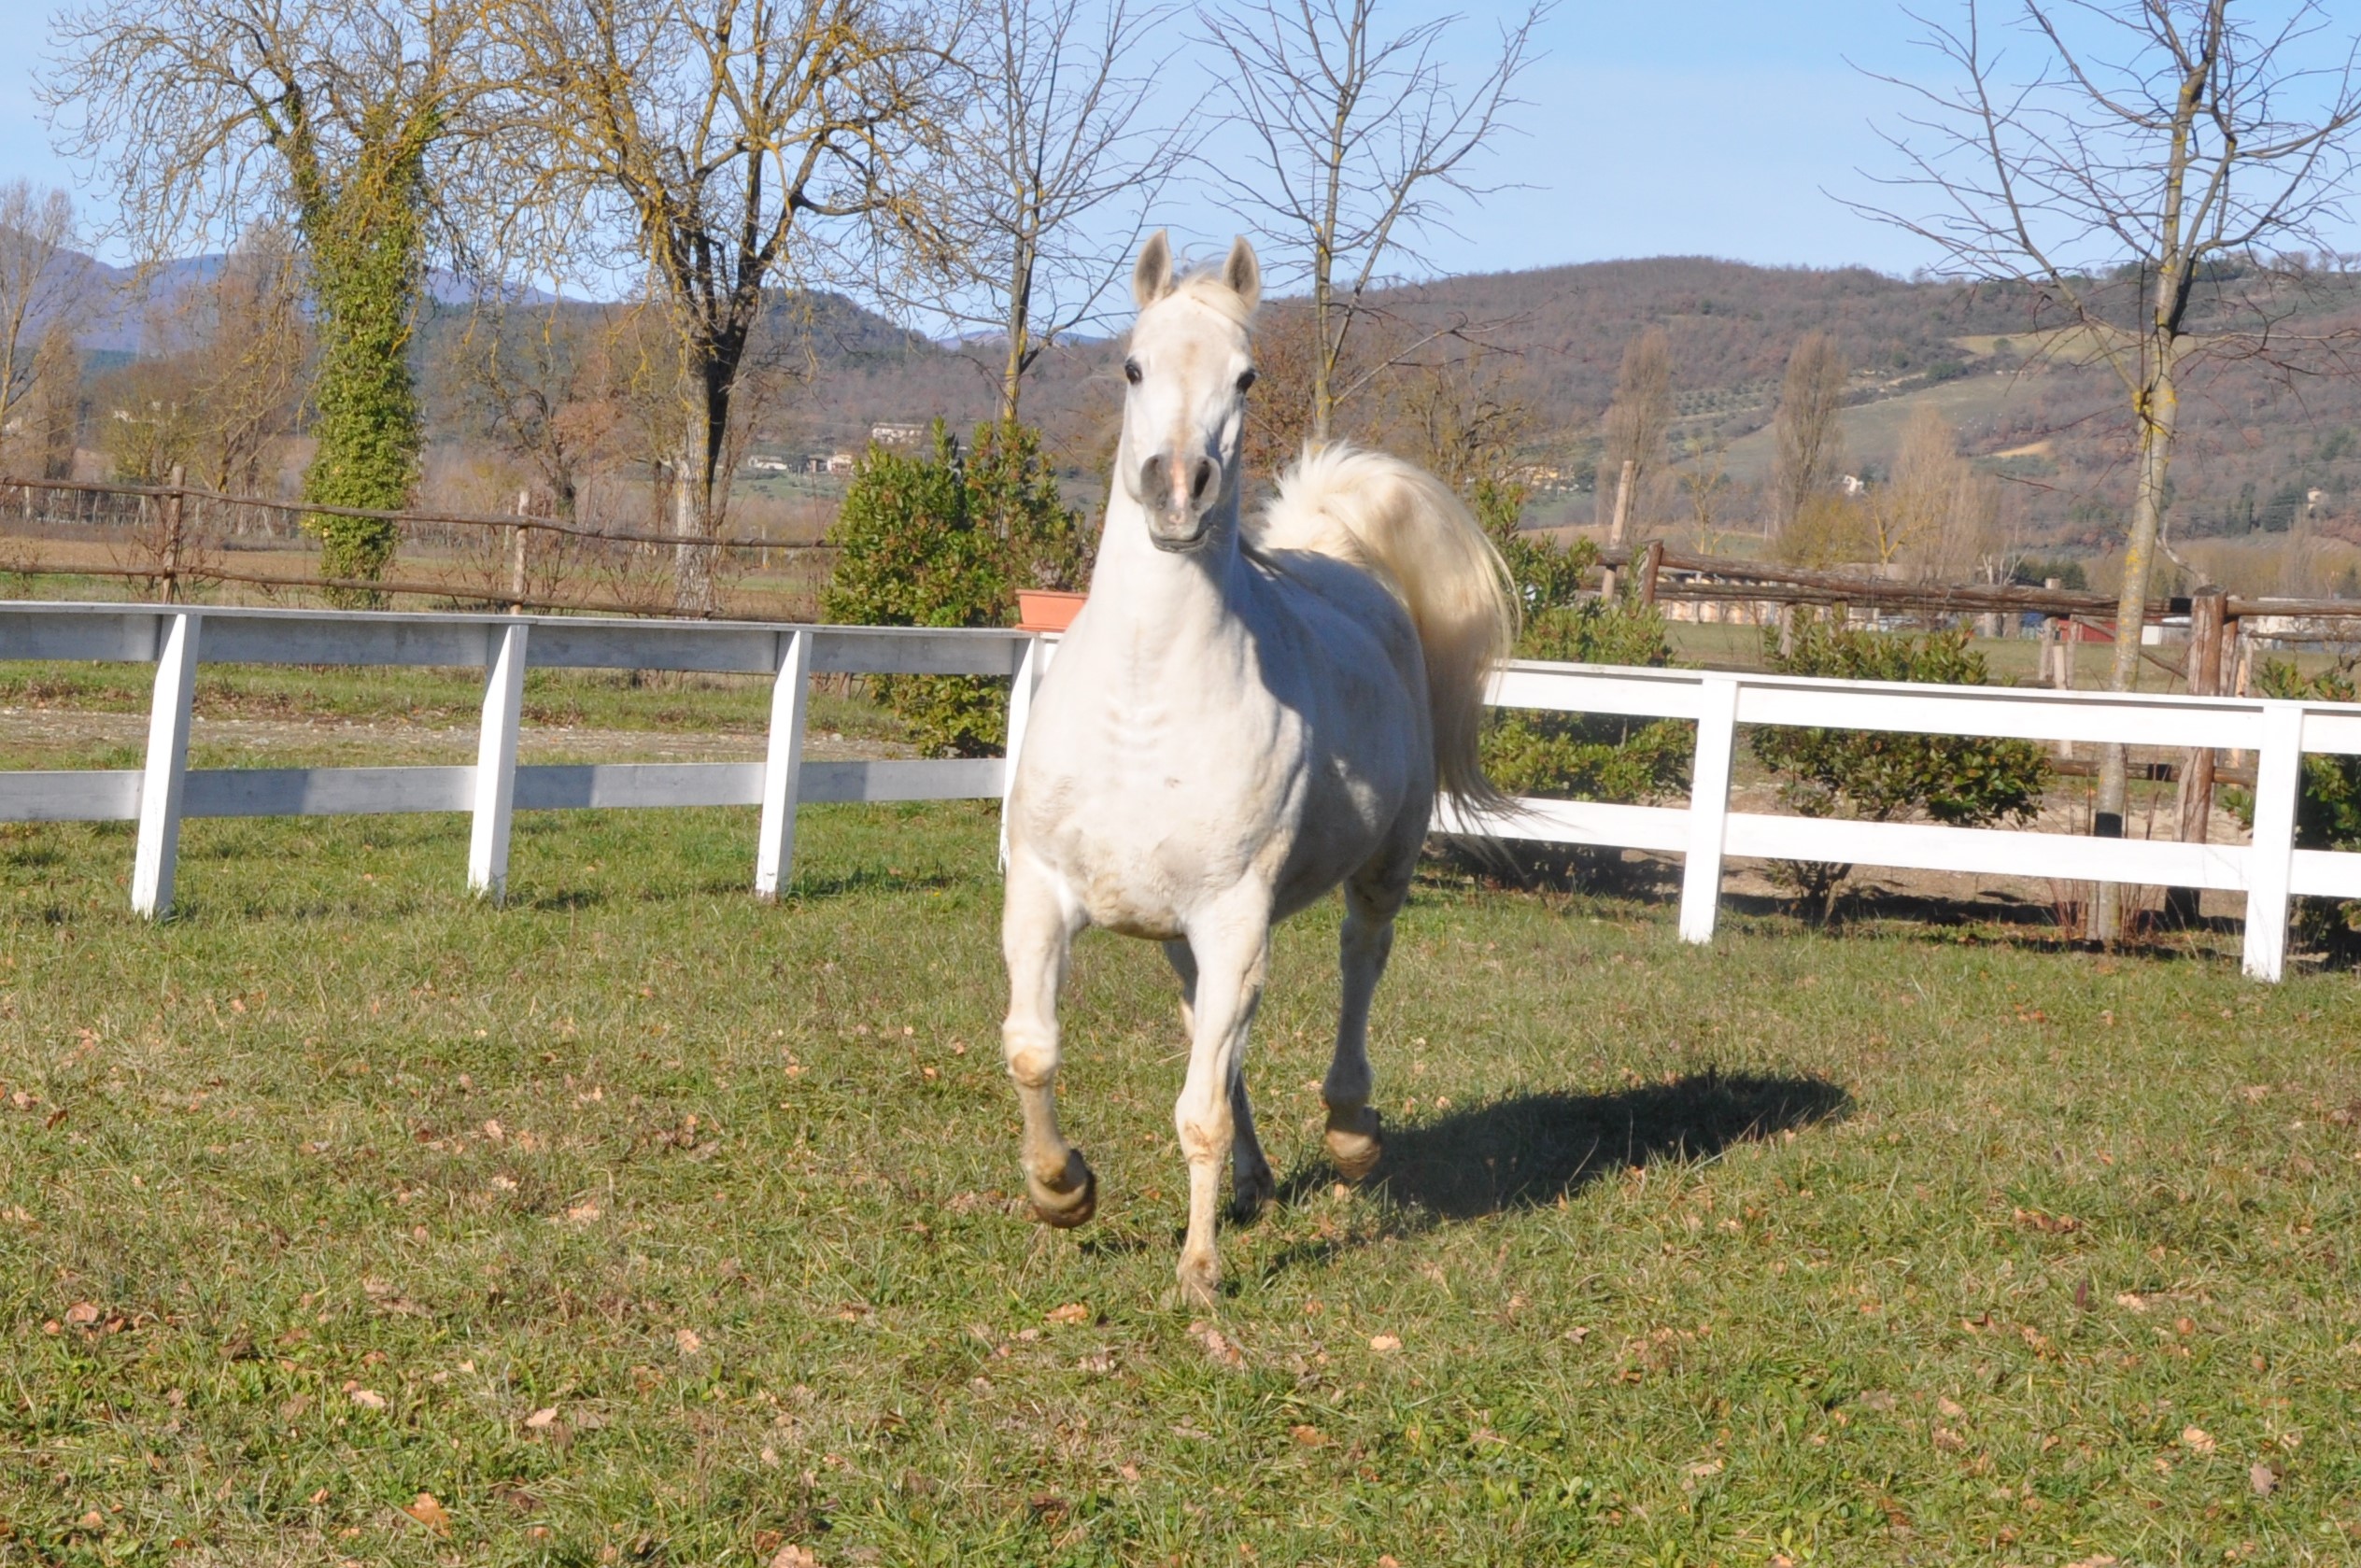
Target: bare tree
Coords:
[[250, 343], [1705, 486], [53, 416], [726, 146], [37, 290], [1809, 442], [1634, 427], [350, 119], [1914, 513], [1359, 137], [2136, 163], [1051, 138]]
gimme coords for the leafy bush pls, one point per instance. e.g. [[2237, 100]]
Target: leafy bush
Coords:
[[1872, 776], [944, 538], [2328, 809], [1576, 757]]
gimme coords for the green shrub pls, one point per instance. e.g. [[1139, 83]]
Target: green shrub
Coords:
[[2328, 809], [1877, 776], [1576, 757], [944, 538]]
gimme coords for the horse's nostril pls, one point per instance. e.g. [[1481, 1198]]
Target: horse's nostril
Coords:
[[1199, 478], [1150, 474]]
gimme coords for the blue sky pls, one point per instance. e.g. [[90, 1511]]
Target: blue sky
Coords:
[[1712, 127]]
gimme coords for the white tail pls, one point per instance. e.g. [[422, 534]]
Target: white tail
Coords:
[[1406, 528]]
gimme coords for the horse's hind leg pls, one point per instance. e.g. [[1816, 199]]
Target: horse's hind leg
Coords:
[[1251, 1183], [1373, 896], [1037, 929]]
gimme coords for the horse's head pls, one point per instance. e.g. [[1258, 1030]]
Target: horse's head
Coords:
[[1190, 364]]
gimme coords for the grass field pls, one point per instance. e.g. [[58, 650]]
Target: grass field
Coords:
[[344, 1220]]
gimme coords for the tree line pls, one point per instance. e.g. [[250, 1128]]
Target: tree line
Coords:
[[989, 162]]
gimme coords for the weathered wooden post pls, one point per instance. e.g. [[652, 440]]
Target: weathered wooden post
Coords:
[[1615, 520], [170, 507], [1650, 564], [516, 555]]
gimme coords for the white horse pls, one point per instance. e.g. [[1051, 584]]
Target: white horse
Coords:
[[1243, 716]]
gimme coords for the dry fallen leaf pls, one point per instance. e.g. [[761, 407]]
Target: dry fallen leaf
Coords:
[[794, 1557], [368, 1399], [429, 1512], [1948, 1440], [1309, 1436], [1950, 1408], [1221, 1350], [2263, 1478], [542, 1418], [81, 1314], [2196, 1440], [2134, 1303], [688, 1341], [1384, 1344], [1705, 1467], [581, 1213], [1072, 1312]]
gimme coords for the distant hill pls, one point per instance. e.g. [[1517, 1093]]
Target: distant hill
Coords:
[[2262, 454]]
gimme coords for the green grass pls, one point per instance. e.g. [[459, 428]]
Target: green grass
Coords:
[[638, 1221], [616, 700]]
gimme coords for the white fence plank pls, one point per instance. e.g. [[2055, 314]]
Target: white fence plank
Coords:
[[1708, 810], [2278, 769], [965, 778], [495, 784], [80, 795], [1029, 667], [165, 791], [328, 791], [782, 768], [167, 773]]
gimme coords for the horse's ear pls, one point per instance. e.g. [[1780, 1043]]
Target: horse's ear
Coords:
[[1152, 278], [1243, 272]]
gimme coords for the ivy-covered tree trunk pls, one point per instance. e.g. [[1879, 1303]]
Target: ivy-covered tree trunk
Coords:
[[366, 237]]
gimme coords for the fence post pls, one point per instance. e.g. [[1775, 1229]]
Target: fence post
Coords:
[[1028, 676], [2278, 769], [516, 555], [2194, 799], [171, 508], [496, 763], [1708, 809], [166, 773], [1650, 564], [783, 766]]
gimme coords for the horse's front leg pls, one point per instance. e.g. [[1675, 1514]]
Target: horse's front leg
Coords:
[[1371, 902], [1251, 1183], [1038, 927], [1232, 949]]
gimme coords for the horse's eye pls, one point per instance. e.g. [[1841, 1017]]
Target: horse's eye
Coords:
[[1131, 372], [1244, 382]]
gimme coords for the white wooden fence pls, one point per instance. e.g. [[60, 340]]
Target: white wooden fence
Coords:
[[160, 794]]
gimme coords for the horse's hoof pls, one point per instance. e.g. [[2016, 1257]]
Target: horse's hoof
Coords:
[[1252, 1193], [1200, 1282], [1355, 1141], [1068, 1201]]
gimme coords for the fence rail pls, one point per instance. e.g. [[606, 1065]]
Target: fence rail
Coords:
[[163, 792]]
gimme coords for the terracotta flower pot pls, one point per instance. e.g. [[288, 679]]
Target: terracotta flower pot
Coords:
[[1047, 609]]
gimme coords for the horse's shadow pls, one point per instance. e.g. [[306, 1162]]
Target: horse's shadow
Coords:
[[1529, 1150]]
